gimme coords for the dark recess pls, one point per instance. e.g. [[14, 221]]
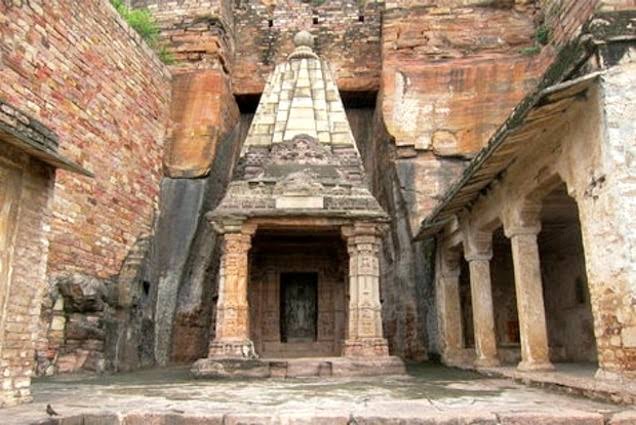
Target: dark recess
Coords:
[[248, 103]]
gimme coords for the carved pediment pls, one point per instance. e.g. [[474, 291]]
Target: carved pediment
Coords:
[[300, 183], [302, 149]]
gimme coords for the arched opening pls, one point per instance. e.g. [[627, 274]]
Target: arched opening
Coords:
[[565, 291]]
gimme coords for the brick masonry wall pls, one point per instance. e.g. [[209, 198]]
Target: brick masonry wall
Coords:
[[85, 74], [32, 183], [198, 33], [79, 69]]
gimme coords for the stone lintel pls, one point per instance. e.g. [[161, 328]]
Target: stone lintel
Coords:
[[300, 202]]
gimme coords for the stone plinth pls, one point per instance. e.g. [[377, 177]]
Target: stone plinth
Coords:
[[297, 368], [368, 347], [230, 368]]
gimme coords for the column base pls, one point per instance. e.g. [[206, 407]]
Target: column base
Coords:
[[232, 349], [535, 367], [366, 347], [488, 362]]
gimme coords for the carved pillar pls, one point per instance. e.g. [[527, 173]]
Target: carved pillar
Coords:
[[364, 329], [478, 253], [232, 338], [522, 227]]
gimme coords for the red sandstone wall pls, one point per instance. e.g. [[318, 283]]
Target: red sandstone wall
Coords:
[[450, 77], [78, 68]]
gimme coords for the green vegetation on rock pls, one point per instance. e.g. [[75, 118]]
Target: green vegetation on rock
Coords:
[[142, 21]]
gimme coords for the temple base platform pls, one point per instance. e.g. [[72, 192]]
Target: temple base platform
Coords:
[[298, 368]]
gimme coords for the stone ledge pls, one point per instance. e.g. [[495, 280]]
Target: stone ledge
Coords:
[[433, 418], [298, 368], [562, 382]]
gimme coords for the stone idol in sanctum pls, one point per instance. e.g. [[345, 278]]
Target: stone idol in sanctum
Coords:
[[299, 276]]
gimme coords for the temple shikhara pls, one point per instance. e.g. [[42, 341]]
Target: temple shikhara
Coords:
[[318, 212]]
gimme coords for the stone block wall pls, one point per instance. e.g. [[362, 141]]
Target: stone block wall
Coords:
[[347, 34], [82, 71], [199, 33], [614, 296], [450, 74]]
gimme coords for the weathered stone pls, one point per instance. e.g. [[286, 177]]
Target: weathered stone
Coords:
[[82, 293], [230, 368], [182, 201], [560, 418], [623, 418], [81, 328], [278, 180], [203, 113]]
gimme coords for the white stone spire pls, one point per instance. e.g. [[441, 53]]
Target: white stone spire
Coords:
[[300, 98]]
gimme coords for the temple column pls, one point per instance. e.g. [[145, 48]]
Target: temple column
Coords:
[[448, 284], [447, 292], [364, 328], [522, 229], [232, 336], [478, 253]]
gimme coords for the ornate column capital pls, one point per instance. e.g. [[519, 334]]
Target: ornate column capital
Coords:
[[232, 225], [362, 233]]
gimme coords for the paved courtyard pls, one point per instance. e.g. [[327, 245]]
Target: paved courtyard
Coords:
[[429, 395]]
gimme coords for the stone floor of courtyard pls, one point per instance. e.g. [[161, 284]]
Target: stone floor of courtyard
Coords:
[[572, 378], [430, 394]]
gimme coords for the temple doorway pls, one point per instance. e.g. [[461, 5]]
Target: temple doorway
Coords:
[[298, 307], [297, 293]]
